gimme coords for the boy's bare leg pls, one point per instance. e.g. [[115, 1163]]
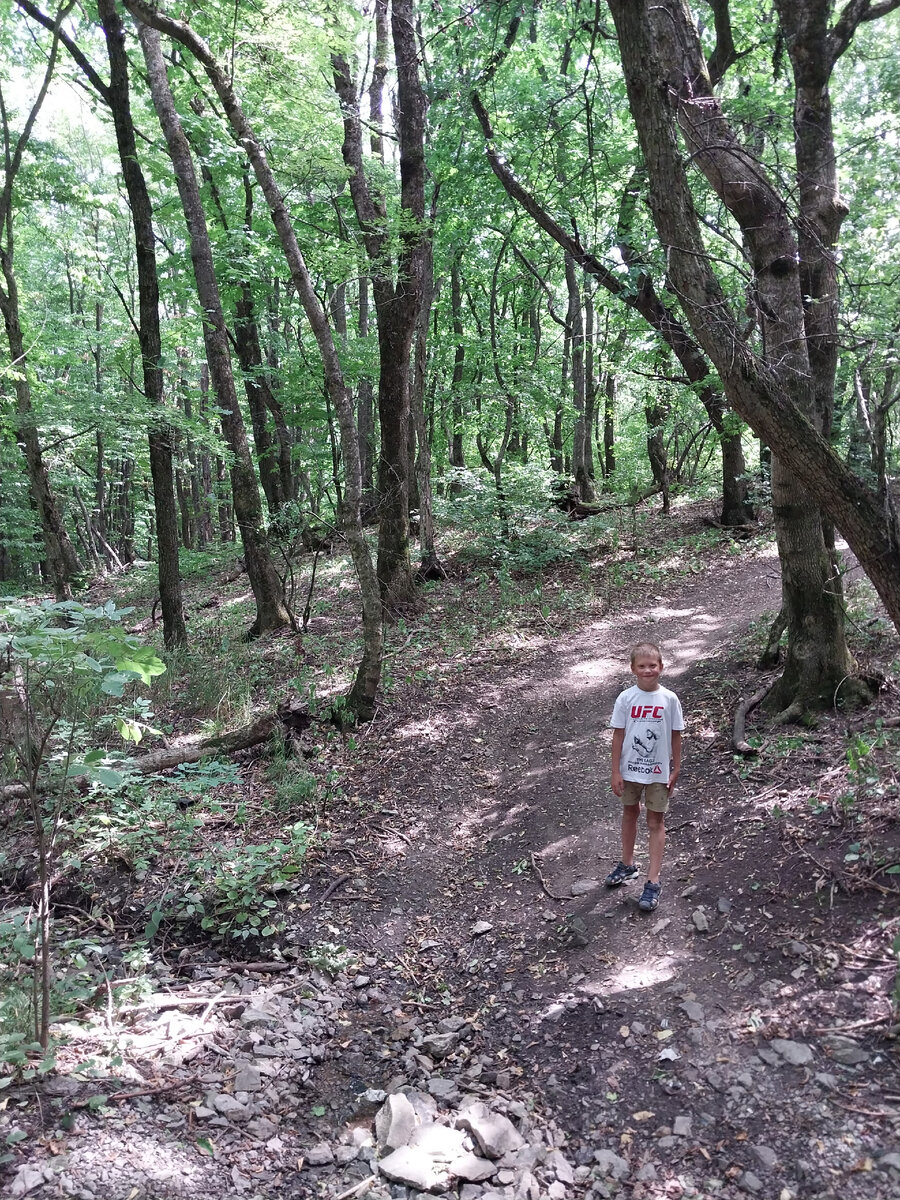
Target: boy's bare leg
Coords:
[[656, 828], [630, 813]]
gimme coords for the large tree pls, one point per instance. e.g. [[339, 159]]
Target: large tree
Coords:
[[398, 287], [773, 384]]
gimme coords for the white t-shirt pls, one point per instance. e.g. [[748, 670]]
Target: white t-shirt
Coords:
[[649, 719]]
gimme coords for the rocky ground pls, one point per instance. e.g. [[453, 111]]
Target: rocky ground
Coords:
[[500, 1025]]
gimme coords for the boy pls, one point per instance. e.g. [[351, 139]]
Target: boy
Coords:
[[646, 757]]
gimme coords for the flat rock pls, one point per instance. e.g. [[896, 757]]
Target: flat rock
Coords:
[[701, 921], [495, 1134], [765, 1156], [27, 1179], [256, 1016], [844, 1050], [441, 1143], [693, 1011], [415, 1169], [320, 1155], [750, 1182], [369, 1101], [472, 1168], [480, 928], [443, 1089], [612, 1164], [231, 1109], [581, 887], [682, 1126], [439, 1045], [247, 1078], [796, 1054], [560, 1166], [395, 1122]]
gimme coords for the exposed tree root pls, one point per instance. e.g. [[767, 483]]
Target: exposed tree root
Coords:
[[739, 745]]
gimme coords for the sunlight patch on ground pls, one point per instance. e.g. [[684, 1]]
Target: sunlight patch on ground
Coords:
[[598, 668], [634, 976], [432, 729], [244, 598]]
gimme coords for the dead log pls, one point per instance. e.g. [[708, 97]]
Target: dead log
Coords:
[[288, 719]]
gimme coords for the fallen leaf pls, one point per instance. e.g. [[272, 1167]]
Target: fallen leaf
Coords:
[[663, 1034], [643, 1115], [624, 1031]]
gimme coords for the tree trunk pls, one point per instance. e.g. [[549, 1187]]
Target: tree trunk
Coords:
[[62, 561], [160, 431], [456, 453], [271, 612], [361, 698], [581, 433], [429, 564], [774, 395], [397, 299]]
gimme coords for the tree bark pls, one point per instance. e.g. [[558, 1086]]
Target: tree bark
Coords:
[[397, 294], [160, 432], [581, 433], [773, 395], [271, 611], [361, 698], [62, 561]]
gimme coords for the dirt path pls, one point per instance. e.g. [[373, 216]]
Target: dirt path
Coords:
[[707, 1042], [730, 1044]]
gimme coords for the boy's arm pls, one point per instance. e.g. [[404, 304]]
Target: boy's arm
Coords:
[[676, 759], [618, 741]]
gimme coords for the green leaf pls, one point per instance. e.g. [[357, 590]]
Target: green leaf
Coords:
[[318, 1110]]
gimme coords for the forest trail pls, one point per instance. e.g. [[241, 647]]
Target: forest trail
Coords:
[[735, 1042], [707, 1041]]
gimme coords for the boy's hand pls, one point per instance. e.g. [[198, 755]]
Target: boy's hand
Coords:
[[673, 779], [618, 783]]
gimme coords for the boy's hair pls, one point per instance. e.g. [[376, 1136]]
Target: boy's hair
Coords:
[[645, 648]]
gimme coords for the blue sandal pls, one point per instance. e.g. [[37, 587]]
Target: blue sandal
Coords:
[[620, 874]]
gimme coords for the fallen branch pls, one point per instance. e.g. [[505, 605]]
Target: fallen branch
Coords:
[[357, 1189], [333, 887], [739, 745], [294, 720], [543, 882]]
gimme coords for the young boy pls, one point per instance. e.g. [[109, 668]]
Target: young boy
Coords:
[[646, 757]]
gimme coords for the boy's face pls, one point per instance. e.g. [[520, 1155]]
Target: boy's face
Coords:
[[647, 669]]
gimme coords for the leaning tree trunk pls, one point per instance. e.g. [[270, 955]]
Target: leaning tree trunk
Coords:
[[271, 611], [361, 698], [773, 395]]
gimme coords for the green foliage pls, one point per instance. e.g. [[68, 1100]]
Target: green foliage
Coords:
[[330, 957], [235, 889]]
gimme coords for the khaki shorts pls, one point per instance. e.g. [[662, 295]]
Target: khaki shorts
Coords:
[[656, 795]]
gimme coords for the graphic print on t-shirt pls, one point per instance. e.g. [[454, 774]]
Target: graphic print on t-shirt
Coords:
[[648, 721]]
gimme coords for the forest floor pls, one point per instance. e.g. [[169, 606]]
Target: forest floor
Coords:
[[454, 942]]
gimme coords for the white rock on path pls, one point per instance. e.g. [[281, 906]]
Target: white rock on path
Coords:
[[495, 1134], [796, 1054], [395, 1122], [415, 1169]]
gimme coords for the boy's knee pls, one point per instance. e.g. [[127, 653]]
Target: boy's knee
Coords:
[[655, 819]]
